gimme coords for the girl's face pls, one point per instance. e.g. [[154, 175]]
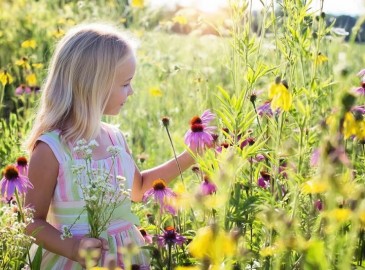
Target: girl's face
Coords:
[[121, 87]]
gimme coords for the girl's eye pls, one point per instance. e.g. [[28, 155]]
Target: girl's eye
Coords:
[[126, 85]]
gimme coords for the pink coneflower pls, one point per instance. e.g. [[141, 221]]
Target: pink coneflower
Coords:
[[318, 205], [264, 180], [22, 166], [170, 237], [247, 141], [315, 157], [147, 237], [207, 187], [265, 109], [21, 89], [160, 193], [12, 180], [200, 134], [361, 73]]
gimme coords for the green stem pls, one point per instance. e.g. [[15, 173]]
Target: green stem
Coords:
[[173, 149]]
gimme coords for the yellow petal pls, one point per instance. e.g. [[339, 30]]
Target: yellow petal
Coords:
[[137, 3], [5, 78], [31, 79], [30, 43]]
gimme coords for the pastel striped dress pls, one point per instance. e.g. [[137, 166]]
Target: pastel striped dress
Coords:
[[67, 204]]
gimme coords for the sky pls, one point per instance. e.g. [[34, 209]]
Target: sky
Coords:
[[336, 7]]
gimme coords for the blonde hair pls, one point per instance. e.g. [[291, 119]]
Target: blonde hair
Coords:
[[79, 82]]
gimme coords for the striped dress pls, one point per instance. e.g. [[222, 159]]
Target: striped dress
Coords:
[[67, 204]]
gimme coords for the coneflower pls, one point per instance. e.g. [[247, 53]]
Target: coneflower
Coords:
[[12, 181]]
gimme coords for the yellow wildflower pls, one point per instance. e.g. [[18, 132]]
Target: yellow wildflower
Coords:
[[5, 78], [275, 89], [360, 129], [340, 214], [37, 65], [321, 59], [314, 186], [31, 79], [269, 251], [30, 43], [349, 125], [137, 3], [23, 63], [213, 244], [58, 33], [180, 19], [282, 99], [155, 92]]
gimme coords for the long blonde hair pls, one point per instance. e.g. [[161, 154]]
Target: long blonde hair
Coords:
[[79, 82]]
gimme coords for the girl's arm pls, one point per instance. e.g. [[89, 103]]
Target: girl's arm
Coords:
[[167, 171], [43, 173]]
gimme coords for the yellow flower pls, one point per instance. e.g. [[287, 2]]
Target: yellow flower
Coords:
[[314, 186], [360, 129], [23, 63], [275, 89], [58, 33], [137, 3], [30, 43], [5, 78], [122, 20], [212, 243], [37, 65], [269, 251], [155, 92], [340, 214], [349, 125], [31, 79], [180, 19], [321, 59], [282, 99]]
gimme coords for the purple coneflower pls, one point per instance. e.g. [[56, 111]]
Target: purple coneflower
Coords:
[[315, 157], [264, 180], [22, 166], [12, 180], [200, 134], [170, 237], [161, 193], [147, 237], [207, 187], [318, 205], [247, 141], [21, 89], [265, 109]]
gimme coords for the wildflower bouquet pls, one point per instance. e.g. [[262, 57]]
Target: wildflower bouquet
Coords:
[[102, 191]]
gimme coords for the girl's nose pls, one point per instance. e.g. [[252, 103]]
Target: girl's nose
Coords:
[[130, 92]]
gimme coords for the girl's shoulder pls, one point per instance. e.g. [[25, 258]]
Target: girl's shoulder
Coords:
[[52, 139]]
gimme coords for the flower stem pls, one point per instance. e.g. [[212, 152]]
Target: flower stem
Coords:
[[173, 149]]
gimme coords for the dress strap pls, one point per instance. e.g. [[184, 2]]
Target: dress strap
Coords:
[[52, 139]]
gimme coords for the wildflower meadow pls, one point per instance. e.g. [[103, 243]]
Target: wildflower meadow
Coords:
[[273, 102]]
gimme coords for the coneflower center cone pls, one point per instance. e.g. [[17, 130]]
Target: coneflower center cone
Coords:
[[11, 172]]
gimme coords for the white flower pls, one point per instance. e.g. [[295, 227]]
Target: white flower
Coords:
[[93, 144], [114, 150], [121, 178], [81, 142]]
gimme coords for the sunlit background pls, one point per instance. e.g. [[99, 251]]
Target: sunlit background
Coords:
[[349, 7]]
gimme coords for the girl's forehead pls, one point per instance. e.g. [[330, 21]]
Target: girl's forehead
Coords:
[[127, 67]]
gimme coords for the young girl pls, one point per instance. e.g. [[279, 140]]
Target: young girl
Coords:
[[89, 76]]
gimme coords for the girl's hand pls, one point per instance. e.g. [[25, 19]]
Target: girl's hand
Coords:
[[88, 251]]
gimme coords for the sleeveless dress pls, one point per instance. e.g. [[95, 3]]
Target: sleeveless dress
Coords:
[[67, 204]]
